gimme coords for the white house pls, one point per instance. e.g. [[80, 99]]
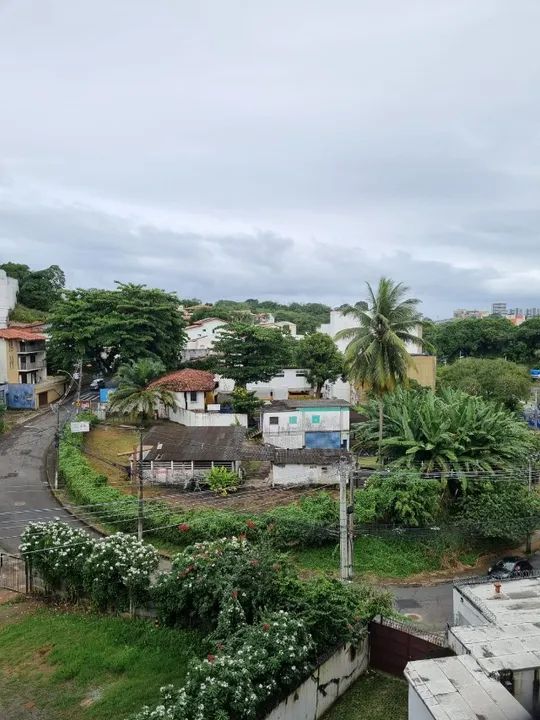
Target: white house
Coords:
[[294, 424], [201, 335], [289, 380], [308, 467], [9, 288]]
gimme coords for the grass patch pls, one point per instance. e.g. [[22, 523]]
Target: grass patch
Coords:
[[106, 447], [375, 696], [386, 557], [67, 665]]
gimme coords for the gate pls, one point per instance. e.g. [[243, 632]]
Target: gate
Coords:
[[393, 644], [13, 573]]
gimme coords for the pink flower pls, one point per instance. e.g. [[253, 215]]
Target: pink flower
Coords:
[[184, 527]]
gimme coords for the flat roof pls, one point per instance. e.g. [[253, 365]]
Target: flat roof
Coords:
[[457, 687], [291, 405], [511, 647], [518, 601]]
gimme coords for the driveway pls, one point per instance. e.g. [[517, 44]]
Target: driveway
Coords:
[[24, 492]]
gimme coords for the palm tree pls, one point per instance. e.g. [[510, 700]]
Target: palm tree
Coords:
[[376, 355], [133, 396]]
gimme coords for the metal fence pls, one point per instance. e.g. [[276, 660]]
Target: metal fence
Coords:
[[17, 576]]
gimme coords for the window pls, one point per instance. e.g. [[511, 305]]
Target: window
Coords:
[[32, 358], [280, 374], [293, 420], [316, 419], [344, 444], [193, 396], [274, 420], [300, 373]]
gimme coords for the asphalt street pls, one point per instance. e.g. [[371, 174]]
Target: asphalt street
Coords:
[[24, 492]]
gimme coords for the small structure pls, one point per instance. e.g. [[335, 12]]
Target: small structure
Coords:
[[175, 455], [23, 369], [294, 424], [201, 337], [308, 467], [290, 381]]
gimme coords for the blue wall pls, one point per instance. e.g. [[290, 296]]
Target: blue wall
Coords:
[[21, 396], [331, 440]]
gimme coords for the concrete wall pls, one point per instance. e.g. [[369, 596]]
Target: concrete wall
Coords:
[[206, 419], [417, 709], [328, 682], [184, 401], [292, 425], [465, 612], [339, 321], [424, 370], [305, 474], [9, 288], [290, 380]]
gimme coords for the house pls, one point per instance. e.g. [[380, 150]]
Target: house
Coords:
[[297, 424], [423, 368], [308, 467], [290, 381], [195, 392], [174, 454], [23, 369], [9, 287], [496, 673], [201, 336]]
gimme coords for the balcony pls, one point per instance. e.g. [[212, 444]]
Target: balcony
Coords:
[[26, 366], [31, 346]]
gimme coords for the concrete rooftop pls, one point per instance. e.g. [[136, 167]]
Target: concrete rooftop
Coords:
[[518, 602], [511, 647], [457, 688]]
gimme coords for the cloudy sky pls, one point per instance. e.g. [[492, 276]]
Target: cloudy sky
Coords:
[[290, 149]]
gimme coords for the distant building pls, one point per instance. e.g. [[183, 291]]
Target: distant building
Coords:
[[294, 424], [9, 288], [532, 312], [499, 308], [462, 314], [201, 337]]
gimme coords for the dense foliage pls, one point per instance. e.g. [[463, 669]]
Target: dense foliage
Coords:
[[38, 289], [222, 480], [489, 337], [493, 379], [318, 354], [251, 353], [401, 498], [131, 322], [446, 431], [133, 396], [244, 401]]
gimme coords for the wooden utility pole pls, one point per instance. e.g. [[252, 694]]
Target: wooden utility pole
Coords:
[[345, 524], [140, 510]]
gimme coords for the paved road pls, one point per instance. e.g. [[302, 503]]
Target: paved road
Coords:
[[23, 486]]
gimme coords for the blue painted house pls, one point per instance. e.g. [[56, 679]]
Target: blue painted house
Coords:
[[315, 424]]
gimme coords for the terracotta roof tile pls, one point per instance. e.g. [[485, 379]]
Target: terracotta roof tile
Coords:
[[186, 381], [14, 333]]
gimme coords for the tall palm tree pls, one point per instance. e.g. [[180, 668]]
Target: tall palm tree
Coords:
[[376, 355], [133, 396]]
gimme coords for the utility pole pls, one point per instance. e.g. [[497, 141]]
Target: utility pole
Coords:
[[57, 444], [80, 365], [528, 548], [140, 512], [345, 529]]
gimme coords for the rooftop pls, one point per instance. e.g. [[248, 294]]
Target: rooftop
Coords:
[[512, 647], [183, 444], [288, 405], [20, 333], [308, 456], [456, 687], [186, 381], [518, 601]]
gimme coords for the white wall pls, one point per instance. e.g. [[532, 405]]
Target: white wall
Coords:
[[465, 613], [339, 321], [9, 288], [206, 419], [417, 709], [289, 434], [327, 682], [3, 360], [305, 474], [290, 380]]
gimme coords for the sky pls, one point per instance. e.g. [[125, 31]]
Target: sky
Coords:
[[291, 149]]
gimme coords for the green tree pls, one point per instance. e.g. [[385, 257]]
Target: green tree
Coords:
[[319, 355], [245, 401], [488, 337], [527, 342], [251, 353], [498, 380], [376, 355], [446, 432], [38, 289], [135, 395], [109, 327]]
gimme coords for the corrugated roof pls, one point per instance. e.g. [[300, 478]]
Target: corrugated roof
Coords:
[[16, 333], [183, 444], [308, 456], [187, 380], [288, 405]]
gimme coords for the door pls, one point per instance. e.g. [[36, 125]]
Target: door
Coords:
[[42, 399]]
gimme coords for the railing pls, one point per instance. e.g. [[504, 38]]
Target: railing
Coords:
[[411, 629]]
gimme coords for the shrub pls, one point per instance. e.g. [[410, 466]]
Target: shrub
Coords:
[[401, 498], [222, 480], [59, 553], [118, 571], [256, 664]]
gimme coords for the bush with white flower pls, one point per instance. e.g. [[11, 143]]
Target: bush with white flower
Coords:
[[119, 570], [257, 664], [59, 553]]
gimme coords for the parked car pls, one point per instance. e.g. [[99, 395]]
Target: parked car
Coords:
[[509, 567], [97, 383]]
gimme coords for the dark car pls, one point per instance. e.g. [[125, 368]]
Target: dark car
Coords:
[[510, 567]]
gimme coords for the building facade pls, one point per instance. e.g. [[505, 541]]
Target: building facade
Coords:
[[315, 424]]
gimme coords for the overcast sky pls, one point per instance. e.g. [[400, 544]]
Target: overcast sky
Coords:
[[289, 149]]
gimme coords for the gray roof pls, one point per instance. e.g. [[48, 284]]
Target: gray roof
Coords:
[[183, 444], [511, 647], [308, 456], [288, 405]]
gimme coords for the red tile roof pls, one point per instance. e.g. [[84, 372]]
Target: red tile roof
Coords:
[[186, 381], [14, 333]]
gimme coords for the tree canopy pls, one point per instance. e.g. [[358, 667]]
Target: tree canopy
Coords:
[[38, 289], [493, 379], [110, 327], [133, 397], [251, 353], [318, 354]]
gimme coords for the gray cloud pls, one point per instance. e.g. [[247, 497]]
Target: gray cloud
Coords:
[[288, 149]]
